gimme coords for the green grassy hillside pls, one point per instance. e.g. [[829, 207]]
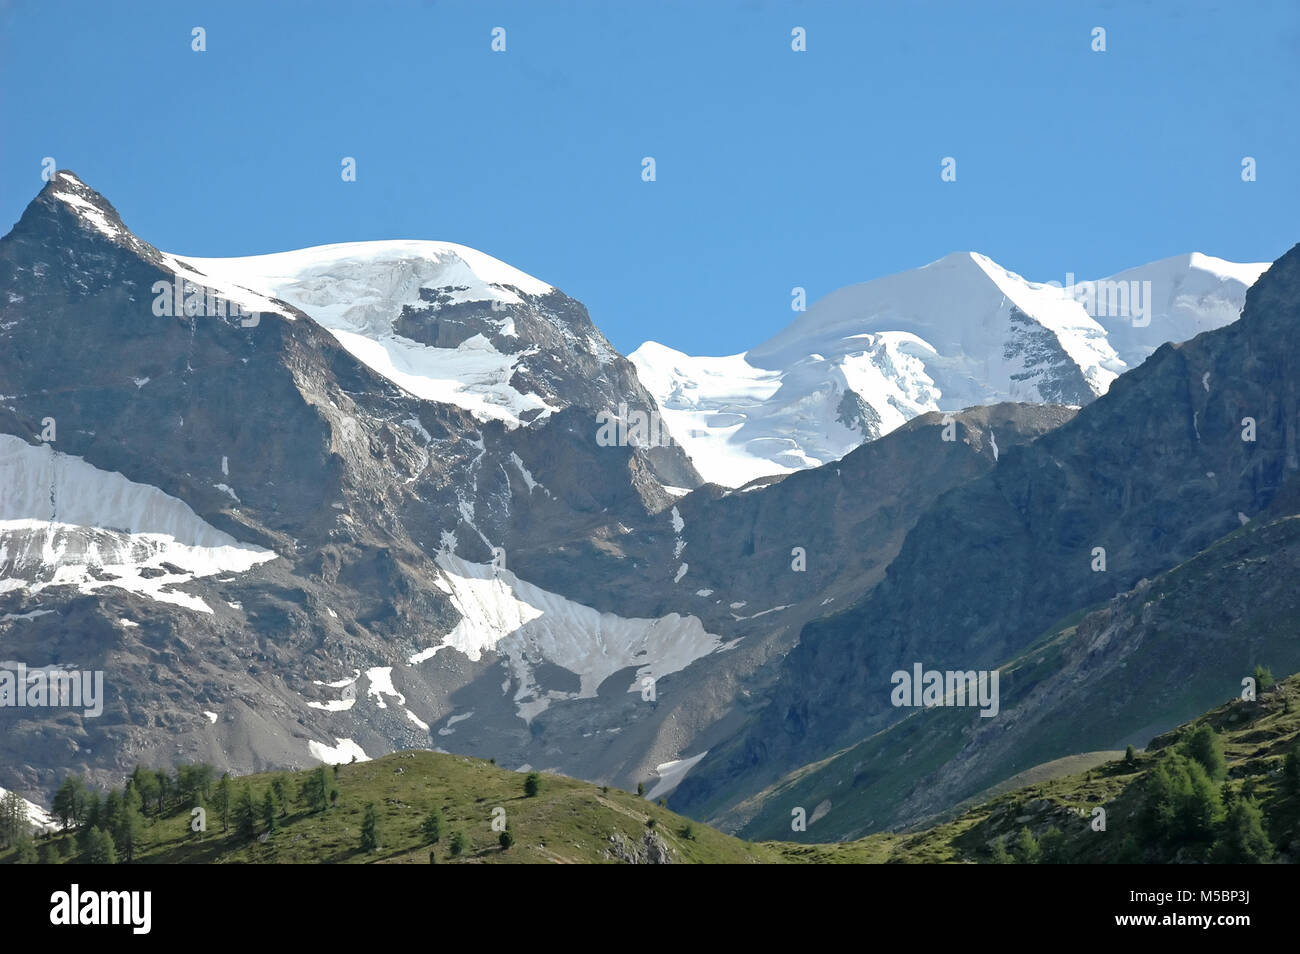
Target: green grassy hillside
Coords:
[[568, 821]]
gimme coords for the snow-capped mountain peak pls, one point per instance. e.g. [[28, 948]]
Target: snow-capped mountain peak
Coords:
[[958, 332], [429, 316], [366, 284]]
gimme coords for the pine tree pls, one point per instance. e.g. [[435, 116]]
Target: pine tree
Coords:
[[269, 811], [1227, 795], [370, 829], [317, 789], [1025, 848], [110, 812], [68, 800], [1053, 847], [1000, 856], [1130, 756], [89, 816], [194, 783], [432, 827], [1264, 680], [1206, 747], [506, 840], [458, 842], [224, 801], [145, 782], [1180, 805], [1244, 840], [532, 784], [245, 814], [164, 790], [90, 811], [281, 796], [131, 795], [25, 851], [1291, 772], [13, 819], [128, 832], [100, 850]]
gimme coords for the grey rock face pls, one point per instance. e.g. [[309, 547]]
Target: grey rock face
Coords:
[[1152, 473]]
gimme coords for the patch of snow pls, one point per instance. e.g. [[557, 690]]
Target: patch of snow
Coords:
[[527, 476], [65, 522], [9, 617], [342, 683], [334, 705], [671, 774], [415, 425], [88, 212], [380, 679], [774, 609], [339, 754], [524, 623], [447, 729], [678, 523]]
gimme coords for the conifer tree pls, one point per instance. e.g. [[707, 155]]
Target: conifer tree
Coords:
[[432, 827], [370, 829], [269, 811], [245, 814]]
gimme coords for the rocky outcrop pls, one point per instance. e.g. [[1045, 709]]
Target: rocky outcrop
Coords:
[[1147, 476]]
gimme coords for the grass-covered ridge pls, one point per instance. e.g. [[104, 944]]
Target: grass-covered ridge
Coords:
[[1255, 788], [567, 821], [1241, 805]]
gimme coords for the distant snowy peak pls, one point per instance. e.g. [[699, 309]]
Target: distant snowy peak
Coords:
[[86, 204], [738, 422], [959, 332], [372, 295], [443, 322], [1188, 294], [992, 334], [365, 285]]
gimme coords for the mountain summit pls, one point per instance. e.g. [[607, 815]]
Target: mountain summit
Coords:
[[958, 332]]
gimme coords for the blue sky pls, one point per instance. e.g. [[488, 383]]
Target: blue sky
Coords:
[[774, 168]]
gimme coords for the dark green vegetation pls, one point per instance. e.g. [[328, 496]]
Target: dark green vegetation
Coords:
[[1225, 787], [399, 808]]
